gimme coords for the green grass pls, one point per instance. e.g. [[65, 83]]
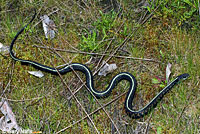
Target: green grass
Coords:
[[85, 27]]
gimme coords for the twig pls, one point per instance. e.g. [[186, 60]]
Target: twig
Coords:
[[185, 106], [78, 102], [93, 112], [12, 10], [148, 123], [150, 15], [108, 46], [10, 79], [123, 43], [5, 57], [116, 56], [22, 100], [181, 114]]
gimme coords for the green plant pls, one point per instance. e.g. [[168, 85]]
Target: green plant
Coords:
[[106, 22], [182, 11], [89, 41], [10, 30], [158, 81]]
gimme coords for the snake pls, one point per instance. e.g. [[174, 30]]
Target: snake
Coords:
[[135, 114]]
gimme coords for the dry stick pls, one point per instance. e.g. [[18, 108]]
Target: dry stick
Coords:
[[77, 101], [54, 52], [108, 46], [5, 57], [10, 80], [123, 43], [92, 112], [185, 106], [183, 110], [116, 56], [148, 123], [143, 17], [150, 15], [22, 100], [105, 52], [91, 93]]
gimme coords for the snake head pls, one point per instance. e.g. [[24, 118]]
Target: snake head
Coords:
[[183, 76]]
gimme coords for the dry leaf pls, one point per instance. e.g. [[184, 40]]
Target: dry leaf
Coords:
[[107, 68], [89, 62], [48, 26], [168, 71], [36, 73], [4, 49], [8, 121]]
